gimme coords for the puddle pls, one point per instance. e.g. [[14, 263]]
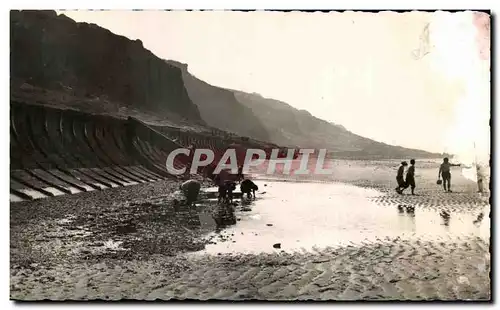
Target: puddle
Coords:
[[315, 215], [213, 192], [111, 245], [298, 216]]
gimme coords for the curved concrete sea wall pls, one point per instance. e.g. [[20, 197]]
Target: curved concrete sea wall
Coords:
[[59, 151], [55, 152]]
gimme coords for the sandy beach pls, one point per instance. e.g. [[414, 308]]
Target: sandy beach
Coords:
[[339, 237]]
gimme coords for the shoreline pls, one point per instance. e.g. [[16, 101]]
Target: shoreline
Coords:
[[166, 264]]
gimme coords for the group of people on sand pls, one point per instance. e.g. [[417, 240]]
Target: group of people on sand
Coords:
[[444, 172], [410, 177], [226, 186], [226, 189]]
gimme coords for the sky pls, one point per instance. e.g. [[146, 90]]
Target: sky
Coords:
[[413, 79]]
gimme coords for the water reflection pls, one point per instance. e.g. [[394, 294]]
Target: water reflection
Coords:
[[307, 215], [406, 218], [408, 209], [479, 219], [224, 215], [215, 216], [445, 215]]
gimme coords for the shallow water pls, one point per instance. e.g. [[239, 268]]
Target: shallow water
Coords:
[[306, 216]]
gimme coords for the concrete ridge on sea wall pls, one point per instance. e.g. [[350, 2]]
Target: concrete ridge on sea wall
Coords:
[[60, 151]]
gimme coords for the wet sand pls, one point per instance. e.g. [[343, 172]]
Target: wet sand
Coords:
[[339, 214], [341, 238], [393, 269]]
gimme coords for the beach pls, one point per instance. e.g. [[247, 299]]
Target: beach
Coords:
[[344, 236]]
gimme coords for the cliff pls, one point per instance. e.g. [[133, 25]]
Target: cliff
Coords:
[[291, 126], [220, 109], [54, 52]]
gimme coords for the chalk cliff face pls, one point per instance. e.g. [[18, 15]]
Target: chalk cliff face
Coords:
[[55, 53], [52, 51], [291, 126], [219, 107]]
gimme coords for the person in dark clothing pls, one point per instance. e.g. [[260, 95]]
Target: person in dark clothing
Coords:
[[444, 171], [248, 187], [410, 177], [191, 190], [223, 181], [400, 178], [226, 191], [222, 193], [240, 173], [230, 188], [218, 180]]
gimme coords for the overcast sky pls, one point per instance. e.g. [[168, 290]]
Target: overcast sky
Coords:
[[364, 71]]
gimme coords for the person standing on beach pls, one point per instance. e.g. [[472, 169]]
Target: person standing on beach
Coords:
[[400, 178], [444, 171], [480, 179], [410, 177]]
